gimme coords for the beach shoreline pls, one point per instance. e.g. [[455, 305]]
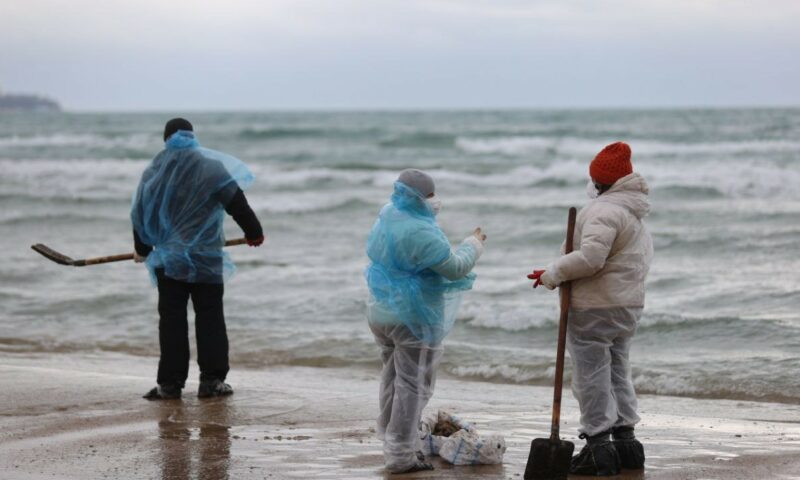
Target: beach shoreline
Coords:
[[81, 416]]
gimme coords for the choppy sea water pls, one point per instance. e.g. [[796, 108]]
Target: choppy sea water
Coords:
[[722, 318]]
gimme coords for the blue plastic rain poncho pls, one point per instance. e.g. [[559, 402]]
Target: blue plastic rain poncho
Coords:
[[402, 246], [179, 208]]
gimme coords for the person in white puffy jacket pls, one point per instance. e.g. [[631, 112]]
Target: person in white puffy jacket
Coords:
[[613, 251]]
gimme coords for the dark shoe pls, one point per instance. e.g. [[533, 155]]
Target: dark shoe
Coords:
[[598, 457], [214, 388], [417, 467], [630, 450], [163, 392]]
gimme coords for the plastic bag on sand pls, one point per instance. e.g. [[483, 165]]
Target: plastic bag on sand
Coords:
[[467, 448], [434, 430], [458, 442]]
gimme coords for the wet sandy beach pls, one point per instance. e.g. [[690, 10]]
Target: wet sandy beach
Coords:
[[77, 417]]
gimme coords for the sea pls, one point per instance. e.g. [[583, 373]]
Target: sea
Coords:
[[722, 314]]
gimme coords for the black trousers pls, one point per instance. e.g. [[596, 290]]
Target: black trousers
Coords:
[[173, 330]]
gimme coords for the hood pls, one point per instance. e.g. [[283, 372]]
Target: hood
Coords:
[[410, 200], [181, 139], [630, 192]]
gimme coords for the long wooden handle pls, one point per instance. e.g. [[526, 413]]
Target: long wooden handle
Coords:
[[564, 290], [129, 256]]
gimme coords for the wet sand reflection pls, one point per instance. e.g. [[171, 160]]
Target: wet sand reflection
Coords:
[[194, 439]]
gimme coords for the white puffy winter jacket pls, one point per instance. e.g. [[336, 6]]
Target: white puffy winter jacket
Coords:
[[613, 249]]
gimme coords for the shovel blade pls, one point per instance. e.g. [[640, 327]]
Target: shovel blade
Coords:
[[51, 254], [549, 459]]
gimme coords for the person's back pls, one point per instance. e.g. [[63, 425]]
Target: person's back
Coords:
[[619, 264], [177, 215], [179, 208]]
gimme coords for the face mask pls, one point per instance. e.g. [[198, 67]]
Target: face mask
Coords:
[[591, 190], [434, 203]]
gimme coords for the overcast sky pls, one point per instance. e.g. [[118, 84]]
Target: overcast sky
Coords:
[[363, 54]]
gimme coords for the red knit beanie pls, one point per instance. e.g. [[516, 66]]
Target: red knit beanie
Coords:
[[611, 164]]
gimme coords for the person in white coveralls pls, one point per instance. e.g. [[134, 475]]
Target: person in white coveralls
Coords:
[[415, 283], [608, 270]]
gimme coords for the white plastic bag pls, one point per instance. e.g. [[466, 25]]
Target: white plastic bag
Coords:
[[468, 448], [430, 430], [458, 442], [430, 443]]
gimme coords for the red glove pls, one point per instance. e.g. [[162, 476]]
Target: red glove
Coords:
[[257, 242], [536, 275]]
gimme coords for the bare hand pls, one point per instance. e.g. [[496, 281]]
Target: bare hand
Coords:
[[138, 258], [478, 233]]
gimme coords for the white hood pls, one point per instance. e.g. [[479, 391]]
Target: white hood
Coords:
[[630, 192]]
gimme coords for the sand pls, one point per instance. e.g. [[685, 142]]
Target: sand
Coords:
[[79, 417]]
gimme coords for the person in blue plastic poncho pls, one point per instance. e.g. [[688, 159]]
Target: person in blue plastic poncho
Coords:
[[177, 215], [415, 283]]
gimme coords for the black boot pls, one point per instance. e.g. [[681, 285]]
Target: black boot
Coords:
[[214, 388], [631, 451], [598, 457], [163, 392], [417, 467]]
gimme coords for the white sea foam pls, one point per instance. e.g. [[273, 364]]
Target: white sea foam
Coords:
[[756, 179], [134, 141], [563, 171], [520, 145], [75, 179], [749, 178], [517, 319], [566, 171], [743, 179], [304, 203], [716, 148], [505, 373], [31, 168], [291, 178], [514, 145]]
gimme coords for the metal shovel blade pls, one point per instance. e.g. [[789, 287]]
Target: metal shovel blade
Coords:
[[51, 254], [549, 459]]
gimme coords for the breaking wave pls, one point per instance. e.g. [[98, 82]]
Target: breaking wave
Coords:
[[131, 141], [281, 133], [419, 140], [646, 381], [520, 145]]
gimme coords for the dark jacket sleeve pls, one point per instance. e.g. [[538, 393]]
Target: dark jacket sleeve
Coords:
[[141, 248], [243, 215]]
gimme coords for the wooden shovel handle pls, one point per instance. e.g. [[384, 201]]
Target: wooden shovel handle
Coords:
[[235, 241], [129, 256], [564, 290], [108, 259]]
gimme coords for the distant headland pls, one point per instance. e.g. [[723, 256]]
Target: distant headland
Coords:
[[27, 103]]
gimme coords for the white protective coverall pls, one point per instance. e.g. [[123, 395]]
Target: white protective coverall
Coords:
[[608, 269], [409, 367]]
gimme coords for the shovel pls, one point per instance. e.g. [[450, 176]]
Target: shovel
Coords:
[[62, 259], [549, 458]]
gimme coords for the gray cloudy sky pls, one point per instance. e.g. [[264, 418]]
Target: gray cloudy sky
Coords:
[[290, 54]]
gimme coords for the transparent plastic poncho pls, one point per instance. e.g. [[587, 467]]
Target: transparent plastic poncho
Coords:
[[179, 209], [402, 246]]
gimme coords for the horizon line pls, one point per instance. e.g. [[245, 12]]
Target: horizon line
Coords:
[[428, 109]]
